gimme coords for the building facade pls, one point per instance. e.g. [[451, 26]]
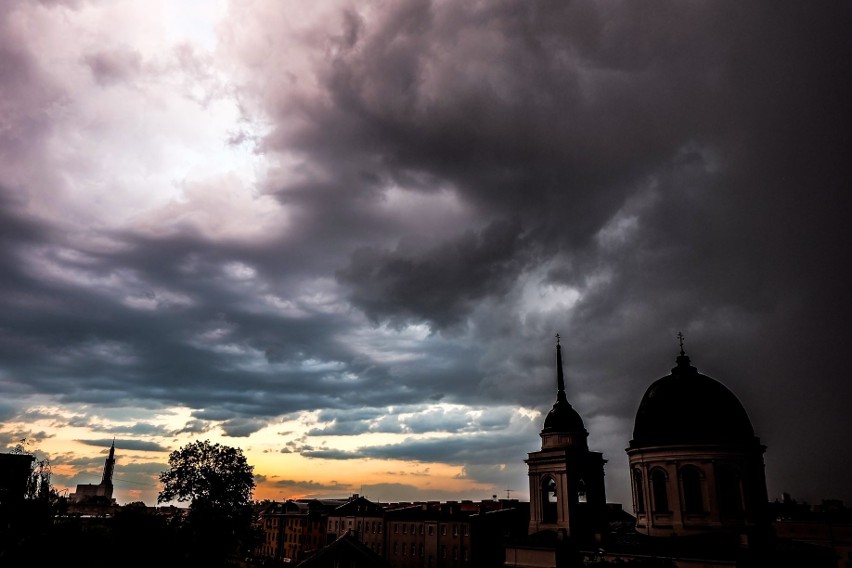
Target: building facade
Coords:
[[293, 529], [432, 534], [361, 518]]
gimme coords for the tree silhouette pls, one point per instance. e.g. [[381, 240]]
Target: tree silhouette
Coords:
[[218, 482]]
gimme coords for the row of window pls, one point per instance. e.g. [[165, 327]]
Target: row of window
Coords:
[[410, 528], [728, 490], [369, 526], [413, 551], [413, 528]]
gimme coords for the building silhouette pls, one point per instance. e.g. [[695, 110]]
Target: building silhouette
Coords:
[[15, 469], [696, 466], [96, 499], [698, 487], [568, 509], [362, 519], [295, 528], [451, 534]]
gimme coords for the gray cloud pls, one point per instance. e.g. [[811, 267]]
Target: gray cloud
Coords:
[[125, 444], [415, 491], [310, 486], [459, 449], [440, 284], [493, 174], [108, 67]]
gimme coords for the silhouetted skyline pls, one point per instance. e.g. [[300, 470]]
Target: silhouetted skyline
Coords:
[[342, 237]]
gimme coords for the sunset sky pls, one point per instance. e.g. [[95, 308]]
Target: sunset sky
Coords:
[[343, 235]]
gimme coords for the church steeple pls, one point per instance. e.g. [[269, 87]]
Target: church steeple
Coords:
[[562, 418], [567, 492], [109, 466]]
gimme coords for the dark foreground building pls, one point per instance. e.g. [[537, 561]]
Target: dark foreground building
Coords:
[[15, 470]]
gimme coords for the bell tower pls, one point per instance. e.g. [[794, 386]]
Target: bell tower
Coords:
[[567, 493]]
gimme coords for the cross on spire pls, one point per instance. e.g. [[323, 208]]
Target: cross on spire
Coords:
[[680, 340]]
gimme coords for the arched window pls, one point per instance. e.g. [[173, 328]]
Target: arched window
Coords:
[[639, 492], [581, 491], [730, 490], [548, 500], [659, 486], [693, 496]]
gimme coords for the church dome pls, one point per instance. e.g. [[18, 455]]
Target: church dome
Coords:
[[563, 418], [687, 407]]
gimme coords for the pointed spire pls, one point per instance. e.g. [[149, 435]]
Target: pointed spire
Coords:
[[562, 418], [560, 378], [109, 466]]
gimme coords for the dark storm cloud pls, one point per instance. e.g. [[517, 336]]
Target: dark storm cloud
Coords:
[[459, 449], [141, 429], [241, 427], [458, 420], [680, 166], [443, 283], [566, 110], [124, 444], [122, 354], [8, 411], [194, 427], [343, 428], [494, 474], [407, 493], [299, 486], [687, 162], [410, 420]]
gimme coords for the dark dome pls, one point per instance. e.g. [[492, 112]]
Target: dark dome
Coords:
[[687, 407], [563, 418]]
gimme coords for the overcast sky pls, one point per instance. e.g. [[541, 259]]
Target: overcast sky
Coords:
[[342, 235]]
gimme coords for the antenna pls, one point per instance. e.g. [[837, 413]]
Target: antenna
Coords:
[[508, 492]]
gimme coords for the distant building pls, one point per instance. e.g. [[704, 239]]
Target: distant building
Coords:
[[90, 499], [824, 526], [452, 534], [428, 534], [362, 519], [294, 528]]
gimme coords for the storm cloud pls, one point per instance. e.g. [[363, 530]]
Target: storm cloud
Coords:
[[374, 218]]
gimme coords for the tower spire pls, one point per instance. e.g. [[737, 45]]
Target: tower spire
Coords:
[[560, 378], [109, 466]]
